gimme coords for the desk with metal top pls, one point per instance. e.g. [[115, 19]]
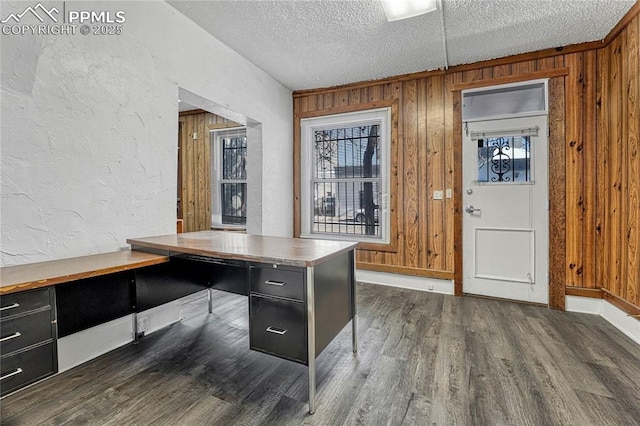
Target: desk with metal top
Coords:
[[301, 292]]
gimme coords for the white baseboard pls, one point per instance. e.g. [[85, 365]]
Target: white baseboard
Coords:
[[617, 317], [405, 281], [85, 345], [157, 318], [621, 320], [88, 344], [584, 305]]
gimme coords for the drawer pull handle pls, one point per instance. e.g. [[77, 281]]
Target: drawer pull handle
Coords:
[[276, 330], [13, 373], [13, 336], [15, 305], [276, 283]]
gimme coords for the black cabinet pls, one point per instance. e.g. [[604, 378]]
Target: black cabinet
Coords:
[[277, 311], [27, 338], [276, 280], [278, 327]]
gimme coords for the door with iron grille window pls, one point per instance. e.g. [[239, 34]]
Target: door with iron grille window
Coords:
[[505, 202]]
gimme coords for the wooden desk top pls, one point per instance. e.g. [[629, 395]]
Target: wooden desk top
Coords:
[[43, 274], [232, 245]]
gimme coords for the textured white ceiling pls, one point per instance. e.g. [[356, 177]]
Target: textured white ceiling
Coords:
[[320, 43]]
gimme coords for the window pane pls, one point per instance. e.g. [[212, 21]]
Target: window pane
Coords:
[[234, 154], [347, 208], [504, 160], [345, 166], [350, 152], [234, 203], [351, 207]]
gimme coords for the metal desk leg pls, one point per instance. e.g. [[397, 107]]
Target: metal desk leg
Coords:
[[135, 327], [311, 340], [354, 320], [210, 294]]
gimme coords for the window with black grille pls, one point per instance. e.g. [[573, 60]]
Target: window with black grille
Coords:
[[229, 172], [346, 174]]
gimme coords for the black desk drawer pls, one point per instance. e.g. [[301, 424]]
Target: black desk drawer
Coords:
[[23, 331], [18, 303], [277, 282], [26, 367], [278, 327]]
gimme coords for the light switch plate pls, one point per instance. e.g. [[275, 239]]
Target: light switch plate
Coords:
[[437, 195], [449, 193]]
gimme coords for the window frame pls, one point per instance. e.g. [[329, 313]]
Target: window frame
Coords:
[[217, 175], [382, 116]]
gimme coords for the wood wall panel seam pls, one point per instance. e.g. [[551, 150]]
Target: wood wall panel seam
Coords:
[[574, 119], [409, 159], [589, 169]]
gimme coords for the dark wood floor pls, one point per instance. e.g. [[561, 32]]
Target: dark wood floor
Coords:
[[424, 358]]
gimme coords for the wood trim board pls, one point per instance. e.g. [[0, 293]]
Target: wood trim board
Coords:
[[44, 274]]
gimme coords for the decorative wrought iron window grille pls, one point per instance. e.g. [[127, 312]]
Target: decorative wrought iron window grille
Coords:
[[504, 159]]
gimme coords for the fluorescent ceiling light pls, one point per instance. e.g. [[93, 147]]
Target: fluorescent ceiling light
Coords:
[[403, 9]]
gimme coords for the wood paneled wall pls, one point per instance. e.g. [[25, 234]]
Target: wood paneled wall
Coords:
[[194, 170], [617, 224], [594, 163], [423, 238]]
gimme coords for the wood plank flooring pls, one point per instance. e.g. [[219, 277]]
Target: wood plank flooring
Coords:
[[423, 359]]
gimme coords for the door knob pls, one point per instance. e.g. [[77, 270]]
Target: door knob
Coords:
[[470, 209]]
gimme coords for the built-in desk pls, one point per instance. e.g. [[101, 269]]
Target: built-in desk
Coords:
[[301, 292], [40, 302]]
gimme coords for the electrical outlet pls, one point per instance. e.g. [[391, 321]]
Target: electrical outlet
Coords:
[[143, 324], [437, 195]]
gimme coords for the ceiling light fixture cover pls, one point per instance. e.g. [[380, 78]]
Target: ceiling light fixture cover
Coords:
[[403, 9]]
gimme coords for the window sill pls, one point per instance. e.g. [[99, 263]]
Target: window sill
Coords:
[[229, 228]]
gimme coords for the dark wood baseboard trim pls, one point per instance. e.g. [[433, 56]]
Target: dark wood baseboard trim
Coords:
[[601, 293], [404, 270], [627, 307], [594, 293]]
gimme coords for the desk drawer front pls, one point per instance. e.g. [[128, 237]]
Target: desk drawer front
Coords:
[[277, 282], [20, 332], [18, 303], [278, 328], [26, 367]]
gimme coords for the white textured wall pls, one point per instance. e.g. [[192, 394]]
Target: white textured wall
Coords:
[[89, 131]]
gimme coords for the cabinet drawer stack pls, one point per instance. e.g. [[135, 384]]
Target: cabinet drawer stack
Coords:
[[27, 338], [277, 311]]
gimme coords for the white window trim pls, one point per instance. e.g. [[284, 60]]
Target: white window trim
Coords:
[[308, 126], [216, 176]]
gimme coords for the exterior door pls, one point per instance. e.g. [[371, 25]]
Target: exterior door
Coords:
[[505, 202]]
